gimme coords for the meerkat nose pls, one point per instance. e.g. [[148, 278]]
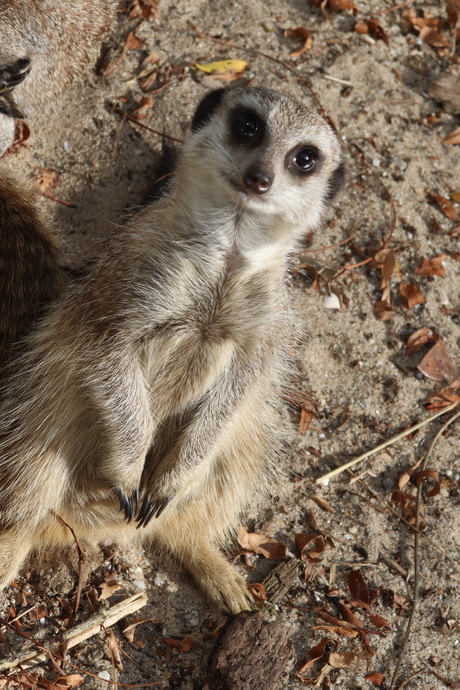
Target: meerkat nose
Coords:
[[257, 181]]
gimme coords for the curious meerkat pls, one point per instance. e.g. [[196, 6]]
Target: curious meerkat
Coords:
[[44, 46], [146, 403]]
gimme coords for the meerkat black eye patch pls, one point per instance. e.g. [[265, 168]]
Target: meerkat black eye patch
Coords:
[[206, 109], [336, 182], [246, 127]]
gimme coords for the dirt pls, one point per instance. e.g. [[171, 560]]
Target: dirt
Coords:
[[349, 362]]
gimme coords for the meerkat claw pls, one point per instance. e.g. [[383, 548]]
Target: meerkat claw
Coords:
[[13, 73]]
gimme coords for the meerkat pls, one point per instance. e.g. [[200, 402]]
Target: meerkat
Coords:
[[146, 405], [45, 45]]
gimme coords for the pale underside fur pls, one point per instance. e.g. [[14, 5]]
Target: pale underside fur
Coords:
[[162, 370]]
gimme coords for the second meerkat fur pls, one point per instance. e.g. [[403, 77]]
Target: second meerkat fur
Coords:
[[153, 384]]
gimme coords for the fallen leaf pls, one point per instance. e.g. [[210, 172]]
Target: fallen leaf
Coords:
[[338, 630], [258, 592], [108, 588], [340, 5], [145, 104], [132, 42], [147, 9], [357, 586], [317, 652], [71, 681], [182, 645], [453, 137], [304, 34], [410, 295], [455, 196], [131, 624], [46, 180], [222, 66], [405, 477], [305, 419], [444, 205], [432, 267], [429, 474], [375, 678], [408, 510], [372, 27], [311, 546], [114, 649], [341, 659], [260, 543], [420, 338], [383, 310], [443, 397], [379, 622], [322, 503], [437, 365]]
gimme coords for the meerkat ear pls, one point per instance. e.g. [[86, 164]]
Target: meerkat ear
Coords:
[[206, 108], [336, 182]]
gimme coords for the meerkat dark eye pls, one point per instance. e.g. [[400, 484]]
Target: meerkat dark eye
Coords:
[[303, 160], [306, 159], [246, 127]]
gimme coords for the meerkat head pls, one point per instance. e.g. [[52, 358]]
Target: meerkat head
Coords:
[[264, 152]]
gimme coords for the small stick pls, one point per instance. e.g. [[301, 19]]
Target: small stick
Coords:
[[347, 83], [119, 111], [338, 470], [417, 552], [80, 632], [395, 7]]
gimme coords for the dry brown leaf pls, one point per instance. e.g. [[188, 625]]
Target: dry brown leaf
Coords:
[[362, 27], [132, 42], [311, 547], [383, 310], [437, 365], [418, 339], [322, 503], [443, 397], [429, 474], [182, 645], [357, 586], [455, 196], [341, 659], [114, 650], [338, 630], [258, 592], [379, 622], [340, 5], [108, 588], [260, 543], [453, 14], [453, 137], [71, 681], [410, 295], [317, 652], [145, 9], [46, 181], [375, 678], [408, 505], [304, 34], [145, 104], [377, 32], [131, 624], [305, 420], [432, 267], [405, 477], [444, 205]]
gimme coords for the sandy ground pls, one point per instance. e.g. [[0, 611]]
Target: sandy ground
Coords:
[[351, 363]]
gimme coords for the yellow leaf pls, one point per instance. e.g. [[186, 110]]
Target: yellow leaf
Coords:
[[456, 197], [223, 66]]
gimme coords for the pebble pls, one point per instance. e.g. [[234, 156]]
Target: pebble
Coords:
[[105, 675], [140, 584]]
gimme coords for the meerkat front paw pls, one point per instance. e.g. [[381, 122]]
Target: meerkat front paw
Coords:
[[12, 72], [140, 510], [228, 593]]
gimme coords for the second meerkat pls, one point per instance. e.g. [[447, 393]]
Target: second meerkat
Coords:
[[154, 383]]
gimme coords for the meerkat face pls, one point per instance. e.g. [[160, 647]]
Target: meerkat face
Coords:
[[264, 152]]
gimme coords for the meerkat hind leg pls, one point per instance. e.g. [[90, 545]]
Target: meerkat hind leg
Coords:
[[223, 586], [14, 548]]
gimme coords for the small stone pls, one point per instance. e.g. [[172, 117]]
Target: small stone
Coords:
[[105, 675]]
